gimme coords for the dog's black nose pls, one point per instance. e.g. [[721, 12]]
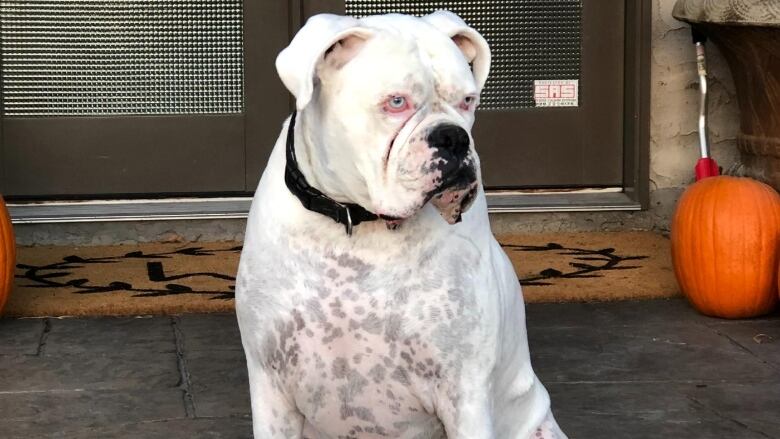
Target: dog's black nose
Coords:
[[450, 138]]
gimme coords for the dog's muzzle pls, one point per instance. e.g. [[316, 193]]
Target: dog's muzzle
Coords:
[[459, 184]]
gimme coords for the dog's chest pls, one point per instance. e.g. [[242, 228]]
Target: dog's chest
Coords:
[[369, 343]]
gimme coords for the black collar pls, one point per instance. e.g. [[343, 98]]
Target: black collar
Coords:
[[349, 214]]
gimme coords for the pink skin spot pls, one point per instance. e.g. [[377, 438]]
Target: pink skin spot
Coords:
[[394, 224], [548, 430]]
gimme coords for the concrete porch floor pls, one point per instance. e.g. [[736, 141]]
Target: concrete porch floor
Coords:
[[646, 369]]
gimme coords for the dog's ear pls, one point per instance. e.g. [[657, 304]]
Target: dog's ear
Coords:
[[324, 36], [474, 47]]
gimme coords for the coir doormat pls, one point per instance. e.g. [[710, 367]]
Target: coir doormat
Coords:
[[200, 277]]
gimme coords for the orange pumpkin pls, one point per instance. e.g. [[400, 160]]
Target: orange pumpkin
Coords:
[[725, 236], [7, 254]]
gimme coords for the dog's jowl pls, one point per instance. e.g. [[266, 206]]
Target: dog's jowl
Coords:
[[372, 298]]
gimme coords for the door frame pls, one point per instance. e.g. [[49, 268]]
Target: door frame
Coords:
[[636, 122], [634, 194]]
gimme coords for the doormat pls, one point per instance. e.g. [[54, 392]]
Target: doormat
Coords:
[[200, 277]]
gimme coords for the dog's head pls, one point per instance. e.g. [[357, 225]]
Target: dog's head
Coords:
[[391, 99]]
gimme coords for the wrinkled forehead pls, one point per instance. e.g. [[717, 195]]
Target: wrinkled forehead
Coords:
[[410, 40], [449, 66]]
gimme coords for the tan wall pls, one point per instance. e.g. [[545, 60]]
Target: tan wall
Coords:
[[674, 145]]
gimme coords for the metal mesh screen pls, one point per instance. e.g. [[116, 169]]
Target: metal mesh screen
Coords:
[[530, 40], [121, 57]]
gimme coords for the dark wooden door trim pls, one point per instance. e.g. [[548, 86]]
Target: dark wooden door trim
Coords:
[[267, 29], [636, 131]]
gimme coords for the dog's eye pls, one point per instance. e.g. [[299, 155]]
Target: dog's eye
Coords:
[[467, 102], [397, 102]]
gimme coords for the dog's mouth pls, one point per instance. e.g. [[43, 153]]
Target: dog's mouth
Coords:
[[455, 195], [451, 199], [391, 218]]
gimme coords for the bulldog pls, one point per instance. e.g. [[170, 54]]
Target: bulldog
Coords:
[[372, 298]]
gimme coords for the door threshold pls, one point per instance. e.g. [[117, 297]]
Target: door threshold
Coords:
[[580, 200], [238, 207]]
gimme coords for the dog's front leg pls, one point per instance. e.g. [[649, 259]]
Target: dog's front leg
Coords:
[[466, 413], [274, 415]]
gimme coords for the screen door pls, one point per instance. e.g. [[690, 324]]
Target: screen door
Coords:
[[133, 98], [110, 98]]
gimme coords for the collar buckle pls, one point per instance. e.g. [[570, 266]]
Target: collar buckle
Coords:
[[348, 224]]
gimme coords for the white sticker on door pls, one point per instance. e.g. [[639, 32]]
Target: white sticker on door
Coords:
[[556, 92]]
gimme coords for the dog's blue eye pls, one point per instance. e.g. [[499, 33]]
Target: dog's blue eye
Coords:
[[397, 102]]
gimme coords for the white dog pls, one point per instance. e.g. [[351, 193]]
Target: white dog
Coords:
[[371, 304]]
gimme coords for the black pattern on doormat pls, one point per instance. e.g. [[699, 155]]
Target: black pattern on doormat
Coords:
[[592, 263], [50, 275]]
